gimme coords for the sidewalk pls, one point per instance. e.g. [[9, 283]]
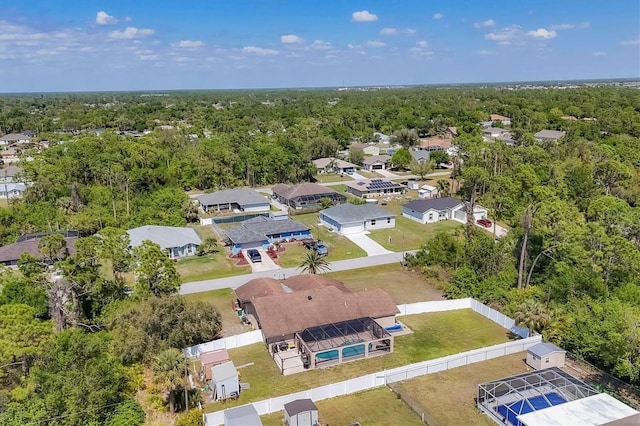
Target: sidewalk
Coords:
[[238, 280]]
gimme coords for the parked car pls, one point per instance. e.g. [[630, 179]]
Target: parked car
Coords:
[[254, 255], [320, 248], [484, 222]]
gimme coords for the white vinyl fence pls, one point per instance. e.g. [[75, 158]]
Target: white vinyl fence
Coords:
[[382, 378], [231, 342]]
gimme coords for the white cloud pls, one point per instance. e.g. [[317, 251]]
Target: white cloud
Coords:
[[148, 57], [131, 32], [189, 44], [260, 51], [438, 16], [420, 51], [353, 46], [363, 16], [484, 24], [423, 43], [505, 34], [599, 53], [486, 52], [128, 19], [542, 34], [321, 45], [388, 31], [630, 42], [410, 31], [376, 43], [103, 18], [291, 39], [561, 27]]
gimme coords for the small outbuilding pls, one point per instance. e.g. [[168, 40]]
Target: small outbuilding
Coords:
[[224, 381], [244, 415], [211, 359], [301, 412], [545, 355]]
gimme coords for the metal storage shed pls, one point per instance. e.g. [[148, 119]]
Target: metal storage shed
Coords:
[[545, 355], [224, 381], [301, 412], [245, 415]]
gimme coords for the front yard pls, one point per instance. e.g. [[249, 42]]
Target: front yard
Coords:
[[409, 234], [434, 335]]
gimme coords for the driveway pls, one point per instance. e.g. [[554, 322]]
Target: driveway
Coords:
[[388, 174], [367, 244], [357, 176], [267, 264], [500, 231]]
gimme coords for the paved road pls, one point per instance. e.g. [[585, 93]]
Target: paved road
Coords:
[[238, 280], [362, 240]]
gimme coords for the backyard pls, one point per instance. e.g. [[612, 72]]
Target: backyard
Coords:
[[373, 407], [434, 335], [222, 300], [449, 396]]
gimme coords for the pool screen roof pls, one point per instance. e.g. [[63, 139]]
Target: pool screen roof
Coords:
[[335, 335]]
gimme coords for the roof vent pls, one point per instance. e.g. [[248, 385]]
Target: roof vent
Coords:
[[309, 297]]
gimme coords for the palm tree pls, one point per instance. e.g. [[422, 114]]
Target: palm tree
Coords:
[[443, 188], [314, 263], [533, 315], [168, 369]]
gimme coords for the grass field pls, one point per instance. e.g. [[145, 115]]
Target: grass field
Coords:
[[405, 286], [222, 300], [434, 335], [409, 234], [331, 177], [374, 407], [449, 396]]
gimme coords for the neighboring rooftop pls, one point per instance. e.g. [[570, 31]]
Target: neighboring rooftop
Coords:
[[322, 163], [549, 134], [373, 185], [376, 159], [13, 137], [9, 171], [498, 117], [349, 213], [165, 236], [439, 204], [262, 287], [10, 253], [239, 196], [260, 227], [300, 190]]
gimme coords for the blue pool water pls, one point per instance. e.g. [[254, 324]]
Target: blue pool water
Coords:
[[524, 406]]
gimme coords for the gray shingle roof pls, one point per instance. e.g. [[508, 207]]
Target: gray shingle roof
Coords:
[[12, 252], [240, 196], [349, 213], [322, 163], [376, 158], [543, 349], [420, 155], [165, 236], [260, 228], [242, 416], [303, 189], [549, 134], [223, 371], [433, 203], [299, 406]]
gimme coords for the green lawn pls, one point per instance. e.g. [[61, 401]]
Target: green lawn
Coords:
[[405, 286], [435, 335], [369, 175], [331, 177], [222, 300], [409, 234], [378, 406]]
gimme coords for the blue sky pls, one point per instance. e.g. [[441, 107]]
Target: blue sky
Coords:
[[77, 45]]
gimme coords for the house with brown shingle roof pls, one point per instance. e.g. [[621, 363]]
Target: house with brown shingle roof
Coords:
[[305, 195], [10, 254]]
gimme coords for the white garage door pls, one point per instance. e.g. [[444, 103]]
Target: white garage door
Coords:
[[352, 229], [460, 215]]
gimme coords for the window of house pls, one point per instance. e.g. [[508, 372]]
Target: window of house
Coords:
[[430, 216], [388, 220], [373, 222], [546, 360]]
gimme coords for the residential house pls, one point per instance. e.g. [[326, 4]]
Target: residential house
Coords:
[[10, 254], [437, 143], [436, 209], [549, 135], [368, 149], [239, 199], [334, 165], [9, 154], [302, 311], [9, 173], [420, 156], [11, 190], [350, 218], [301, 412], [16, 139], [506, 121], [382, 138], [427, 191], [374, 188], [491, 133], [177, 242], [262, 232], [376, 162], [451, 132], [305, 195]]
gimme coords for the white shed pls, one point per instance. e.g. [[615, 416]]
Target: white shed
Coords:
[[301, 412], [245, 415], [224, 380], [545, 355]]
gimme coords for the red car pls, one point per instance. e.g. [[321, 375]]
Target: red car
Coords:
[[484, 222]]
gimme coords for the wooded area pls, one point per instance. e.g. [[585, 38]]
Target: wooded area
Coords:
[[72, 349]]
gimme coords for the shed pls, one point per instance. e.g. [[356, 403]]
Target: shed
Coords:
[[545, 355], [224, 380], [244, 415], [211, 359], [413, 184], [301, 412]]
